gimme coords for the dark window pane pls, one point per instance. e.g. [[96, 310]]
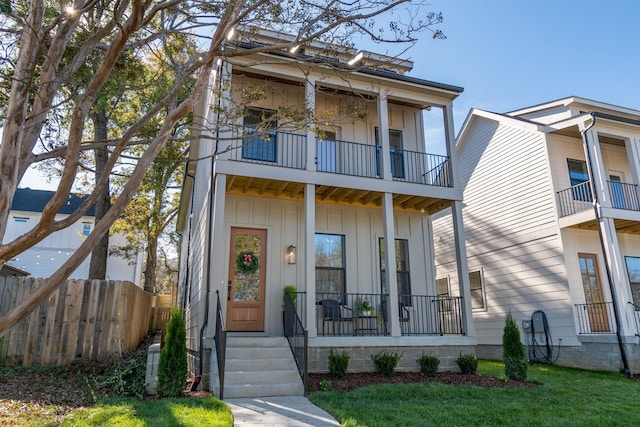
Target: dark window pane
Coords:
[[475, 282]]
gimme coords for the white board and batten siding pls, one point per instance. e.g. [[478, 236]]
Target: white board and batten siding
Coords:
[[511, 229]]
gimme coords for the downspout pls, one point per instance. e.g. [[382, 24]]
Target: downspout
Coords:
[[607, 267], [205, 323]]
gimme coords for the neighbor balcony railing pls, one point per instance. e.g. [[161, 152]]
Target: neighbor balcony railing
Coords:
[[420, 168], [596, 318], [574, 199], [349, 314], [624, 196], [636, 316]]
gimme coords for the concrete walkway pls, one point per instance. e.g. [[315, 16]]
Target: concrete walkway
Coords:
[[278, 411]]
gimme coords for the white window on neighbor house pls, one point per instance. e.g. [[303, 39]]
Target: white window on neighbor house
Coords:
[[442, 286], [86, 228], [477, 289]]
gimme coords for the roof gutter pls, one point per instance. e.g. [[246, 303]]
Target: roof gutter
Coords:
[[607, 267]]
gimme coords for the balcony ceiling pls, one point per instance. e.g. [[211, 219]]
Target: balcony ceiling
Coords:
[[622, 226], [260, 187]]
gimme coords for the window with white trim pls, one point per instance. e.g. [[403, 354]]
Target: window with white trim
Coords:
[[476, 287]]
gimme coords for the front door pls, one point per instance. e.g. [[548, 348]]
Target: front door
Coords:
[[247, 272], [596, 309]]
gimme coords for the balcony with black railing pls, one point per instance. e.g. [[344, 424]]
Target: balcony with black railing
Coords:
[[624, 196], [574, 199], [289, 150], [359, 314], [596, 318]]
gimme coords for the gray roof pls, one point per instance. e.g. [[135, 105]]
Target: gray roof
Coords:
[[28, 200]]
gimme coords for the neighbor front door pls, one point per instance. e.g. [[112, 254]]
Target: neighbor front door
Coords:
[[246, 286]]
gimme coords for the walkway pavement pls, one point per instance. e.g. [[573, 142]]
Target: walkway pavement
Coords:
[[279, 411]]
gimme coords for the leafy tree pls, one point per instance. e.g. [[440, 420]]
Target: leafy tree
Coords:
[[43, 52], [172, 366], [515, 362]]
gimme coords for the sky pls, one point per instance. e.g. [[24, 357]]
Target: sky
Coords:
[[517, 53]]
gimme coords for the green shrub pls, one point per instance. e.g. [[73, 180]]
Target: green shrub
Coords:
[[385, 362], [325, 385], [468, 363], [515, 362], [292, 292], [338, 364], [428, 364], [172, 366], [125, 377]]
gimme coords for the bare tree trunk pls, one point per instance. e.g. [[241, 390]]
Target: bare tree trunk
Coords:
[[98, 263], [151, 265]]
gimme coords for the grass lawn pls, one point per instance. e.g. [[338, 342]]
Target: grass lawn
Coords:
[[198, 411], [564, 396]]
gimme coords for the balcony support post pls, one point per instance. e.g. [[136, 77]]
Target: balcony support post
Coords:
[[388, 226], [463, 269], [222, 97], [450, 137], [595, 166], [383, 136], [310, 104], [633, 154], [310, 257]]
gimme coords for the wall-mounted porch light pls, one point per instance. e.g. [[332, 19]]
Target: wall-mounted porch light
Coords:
[[291, 254]]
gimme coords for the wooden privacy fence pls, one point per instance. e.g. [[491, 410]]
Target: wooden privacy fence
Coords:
[[86, 319]]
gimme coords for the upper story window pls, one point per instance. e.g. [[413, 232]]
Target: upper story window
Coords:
[[330, 264], [86, 229], [263, 145], [577, 175]]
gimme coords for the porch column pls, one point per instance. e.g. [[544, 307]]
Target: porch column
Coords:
[[463, 270], [218, 249], [221, 86], [450, 138], [597, 170], [310, 257], [310, 104], [383, 137], [390, 263], [618, 271], [429, 254]]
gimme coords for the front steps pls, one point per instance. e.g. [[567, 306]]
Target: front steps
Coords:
[[260, 367]]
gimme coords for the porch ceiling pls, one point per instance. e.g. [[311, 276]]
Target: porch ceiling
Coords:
[[622, 226], [260, 187]]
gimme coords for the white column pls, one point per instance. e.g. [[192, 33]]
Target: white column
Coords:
[[310, 104], [597, 168], [310, 257], [383, 137], [222, 123], [390, 263], [218, 251], [429, 254], [450, 137], [618, 271], [463, 270], [633, 154]]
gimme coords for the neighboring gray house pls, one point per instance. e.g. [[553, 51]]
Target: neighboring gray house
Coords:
[[344, 215], [552, 223], [48, 255]]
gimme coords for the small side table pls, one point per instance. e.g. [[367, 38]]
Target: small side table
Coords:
[[366, 325]]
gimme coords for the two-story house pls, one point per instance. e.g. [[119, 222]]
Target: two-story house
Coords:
[[338, 204], [552, 222]]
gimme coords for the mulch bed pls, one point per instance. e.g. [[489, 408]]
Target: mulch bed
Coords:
[[363, 379]]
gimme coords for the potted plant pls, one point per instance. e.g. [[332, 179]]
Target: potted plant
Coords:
[[362, 307], [290, 291]]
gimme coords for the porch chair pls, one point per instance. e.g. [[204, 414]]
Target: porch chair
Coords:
[[403, 316], [336, 315]]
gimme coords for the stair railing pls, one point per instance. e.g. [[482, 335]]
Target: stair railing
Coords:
[[298, 339], [220, 339]]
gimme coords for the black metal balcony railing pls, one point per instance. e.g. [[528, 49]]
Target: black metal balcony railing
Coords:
[[574, 199], [624, 196], [348, 314], [347, 158], [596, 318], [289, 150], [283, 149]]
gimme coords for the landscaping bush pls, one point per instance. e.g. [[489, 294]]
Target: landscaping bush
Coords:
[[515, 362], [172, 366], [428, 364], [468, 363], [338, 364], [385, 362]]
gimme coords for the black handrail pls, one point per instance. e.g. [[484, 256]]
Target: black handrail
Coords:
[[298, 339], [220, 340], [636, 316], [596, 318]]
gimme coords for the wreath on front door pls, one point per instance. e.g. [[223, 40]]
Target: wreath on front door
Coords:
[[247, 262]]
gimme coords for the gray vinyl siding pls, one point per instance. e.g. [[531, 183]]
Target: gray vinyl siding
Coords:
[[510, 228]]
